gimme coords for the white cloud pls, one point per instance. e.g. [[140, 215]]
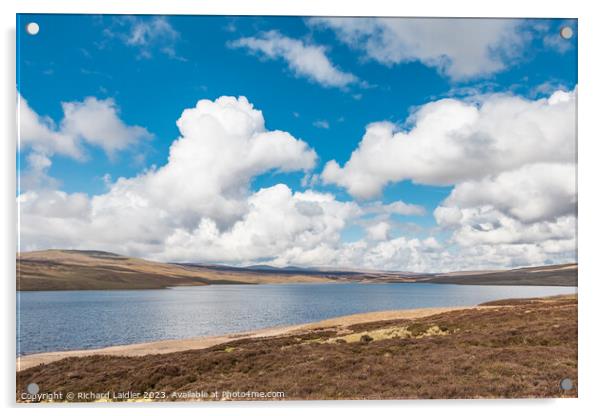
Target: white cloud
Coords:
[[377, 218], [52, 219], [41, 134], [512, 163], [36, 176], [397, 207], [453, 141], [55, 204], [205, 184], [532, 193], [410, 254], [379, 231], [458, 48], [497, 256], [534, 207], [303, 59], [92, 121], [97, 123], [199, 206], [223, 145], [486, 225], [89, 122], [279, 225]]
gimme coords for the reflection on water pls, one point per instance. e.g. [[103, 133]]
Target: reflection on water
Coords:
[[52, 321]]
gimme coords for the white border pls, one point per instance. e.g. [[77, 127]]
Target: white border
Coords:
[[468, 8], [590, 178]]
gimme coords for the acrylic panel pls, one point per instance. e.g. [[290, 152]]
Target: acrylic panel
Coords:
[[295, 208]]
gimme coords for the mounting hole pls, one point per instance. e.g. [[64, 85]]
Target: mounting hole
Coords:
[[33, 388], [566, 32], [566, 384], [32, 28]]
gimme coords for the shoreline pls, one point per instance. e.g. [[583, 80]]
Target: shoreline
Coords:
[[480, 348], [199, 343], [318, 282]]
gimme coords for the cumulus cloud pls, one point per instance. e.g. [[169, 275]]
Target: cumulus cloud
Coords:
[[41, 133], [414, 254], [486, 225], [511, 162], [303, 59], [458, 48], [97, 123], [279, 225], [223, 145], [55, 204], [379, 231], [453, 141], [36, 176], [501, 256], [534, 207], [90, 122], [200, 205], [532, 193], [205, 183]]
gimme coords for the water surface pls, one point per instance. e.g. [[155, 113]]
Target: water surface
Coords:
[[68, 320]]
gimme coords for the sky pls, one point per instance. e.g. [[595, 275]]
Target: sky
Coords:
[[366, 143]]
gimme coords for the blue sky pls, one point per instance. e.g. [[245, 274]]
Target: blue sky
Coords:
[[178, 60]]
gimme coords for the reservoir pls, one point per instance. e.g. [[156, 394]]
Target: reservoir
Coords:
[[70, 320]]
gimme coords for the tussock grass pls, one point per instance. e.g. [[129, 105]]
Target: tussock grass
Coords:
[[392, 332]]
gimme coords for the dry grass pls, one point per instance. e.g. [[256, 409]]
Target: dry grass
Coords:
[[97, 270], [392, 332], [519, 349]]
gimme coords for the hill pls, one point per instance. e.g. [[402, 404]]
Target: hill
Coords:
[[556, 275], [100, 270]]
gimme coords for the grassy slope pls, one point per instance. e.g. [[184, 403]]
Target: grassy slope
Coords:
[[512, 349], [90, 270], [557, 275]]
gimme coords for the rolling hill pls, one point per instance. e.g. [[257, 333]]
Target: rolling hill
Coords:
[[100, 270], [555, 275]]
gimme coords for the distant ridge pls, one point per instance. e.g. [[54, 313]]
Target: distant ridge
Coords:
[[101, 270], [266, 269], [323, 271]]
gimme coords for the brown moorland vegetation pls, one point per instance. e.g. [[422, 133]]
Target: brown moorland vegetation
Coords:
[[511, 349]]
